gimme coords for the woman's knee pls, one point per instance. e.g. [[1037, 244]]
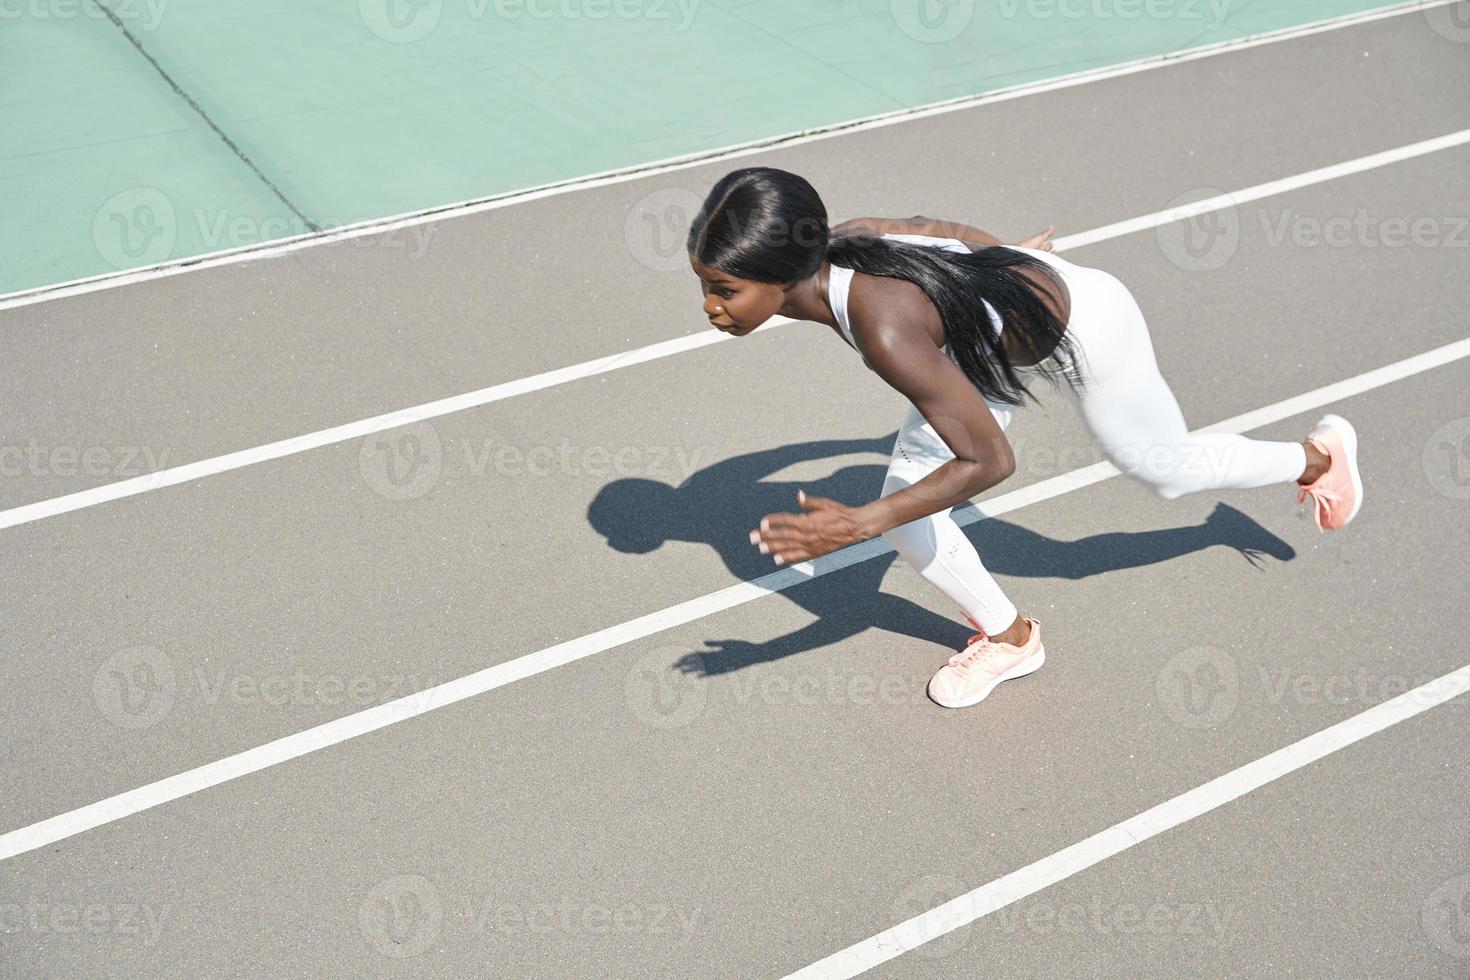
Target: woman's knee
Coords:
[[1173, 489], [1166, 484], [1161, 468]]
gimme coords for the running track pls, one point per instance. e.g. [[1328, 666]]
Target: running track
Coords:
[[754, 783]]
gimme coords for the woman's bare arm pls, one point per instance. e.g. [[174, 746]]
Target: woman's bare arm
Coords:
[[920, 225], [939, 228], [888, 325], [947, 400]]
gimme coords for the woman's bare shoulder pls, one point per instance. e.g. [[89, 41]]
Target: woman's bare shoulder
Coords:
[[877, 305]]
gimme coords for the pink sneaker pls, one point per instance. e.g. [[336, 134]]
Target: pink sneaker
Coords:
[[1338, 493], [973, 673]]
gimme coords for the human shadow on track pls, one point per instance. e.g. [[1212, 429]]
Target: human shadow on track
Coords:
[[719, 504]]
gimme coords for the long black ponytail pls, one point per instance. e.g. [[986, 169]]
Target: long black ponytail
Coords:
[[769, 225]]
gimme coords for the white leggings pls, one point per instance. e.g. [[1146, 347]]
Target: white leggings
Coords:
[[1127, 405]]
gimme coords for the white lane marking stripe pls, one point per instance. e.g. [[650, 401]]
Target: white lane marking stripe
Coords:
[[982, 901], [175, 475], [378, 226], [457, 403], [360, 723], [1233, 198]]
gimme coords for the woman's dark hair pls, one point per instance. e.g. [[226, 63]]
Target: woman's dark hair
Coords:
[[768, 225]]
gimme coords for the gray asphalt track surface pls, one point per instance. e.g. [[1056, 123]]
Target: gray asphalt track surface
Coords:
[[747, 793]]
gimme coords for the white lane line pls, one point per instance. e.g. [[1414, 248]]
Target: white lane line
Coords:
[[1222, 202], [173, 476], [378, 226], [360, 723], [973, 905]]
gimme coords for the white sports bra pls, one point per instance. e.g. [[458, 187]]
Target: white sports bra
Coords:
[[839, 280]]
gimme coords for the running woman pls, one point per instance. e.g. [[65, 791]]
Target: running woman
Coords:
[[957, 321]]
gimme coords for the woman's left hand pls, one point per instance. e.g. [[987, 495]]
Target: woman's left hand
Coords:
[[826, 526], [1041, 241]]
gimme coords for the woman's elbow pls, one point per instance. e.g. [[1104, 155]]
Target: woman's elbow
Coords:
[[1002, 459], [994, 472]]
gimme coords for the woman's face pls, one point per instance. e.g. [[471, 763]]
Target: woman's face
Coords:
[[736, 306]]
